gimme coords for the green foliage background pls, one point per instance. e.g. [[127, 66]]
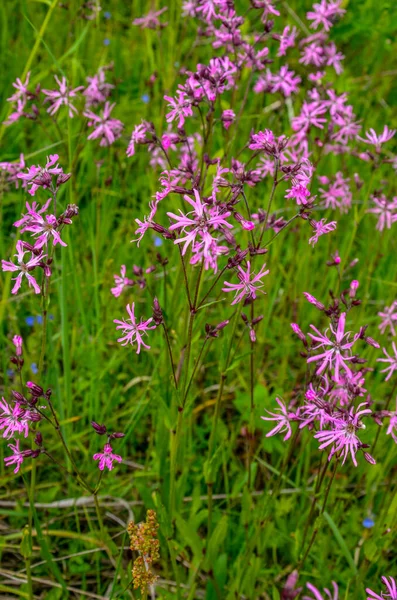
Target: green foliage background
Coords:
[[92, 377]]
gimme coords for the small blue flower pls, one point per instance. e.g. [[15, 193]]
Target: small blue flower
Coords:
[[10, 373], [145, 98], [29, 321], [158, 241], [51, 317], [106, 42], [34, 369], [39, 319], [368, 523], [107, 14]]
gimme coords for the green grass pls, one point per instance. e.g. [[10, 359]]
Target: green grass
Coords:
[[255, 537]]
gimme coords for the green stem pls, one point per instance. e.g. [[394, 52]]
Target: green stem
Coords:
[[251, 427], [170, 354], [215, 419], [315, 531], [275, 182]]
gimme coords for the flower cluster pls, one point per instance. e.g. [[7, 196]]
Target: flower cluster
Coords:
[[42, 223], [336, 402], [107, 457], [143, 539]]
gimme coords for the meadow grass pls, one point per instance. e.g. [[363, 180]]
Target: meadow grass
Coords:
[[258, 505]]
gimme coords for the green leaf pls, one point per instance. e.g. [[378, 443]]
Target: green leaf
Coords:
[[26, 543], [217, 539]]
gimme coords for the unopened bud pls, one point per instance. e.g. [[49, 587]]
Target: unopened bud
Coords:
[[297, 330], [313, 301], [353, 288], [369, 458], [99, 429], [157, 312], [18, 397], [35, 389]]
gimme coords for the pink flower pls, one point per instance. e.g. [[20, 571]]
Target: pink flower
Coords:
[[201, 252], [24, 268], [181, 107], [31, 211], [386, 211], [324, 13], [268, 8], [343, 435], [151, 19], [105, 127], [310, 116], [321, 228], [147, 222], [319, 596], [284, 421], [132, 332], [13, 419], [333, 58], [17, 341], [138, 136], [285, 81], [121, 282], [392, 427], [286, 39], [228, 117], [338, 194], [12, 169], [389, 316], [97, 89], [334, 355], [17, 457], [262, 140], [44, 229], [377, 140], [203, 219], [300, 193], [392, 360], [312, 54], [41, 176], [60, 97], [391, 586], [106, 458], [248, 285], [21, 90]]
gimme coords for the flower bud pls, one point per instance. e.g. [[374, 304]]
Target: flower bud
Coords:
[[353, 288], [18, 397], [313, 301], [117, 435], [296, 329], [99, 429], [17, 341], [157, 312], [38, 440], [35, 389], [63, 178], [369, 458], [372, 342]]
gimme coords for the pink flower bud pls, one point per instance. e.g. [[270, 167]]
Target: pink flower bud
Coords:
[[353, 288], [369, 458], [17, 341], [296, 329], [99, 429], [313, 301], [35, 389]]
